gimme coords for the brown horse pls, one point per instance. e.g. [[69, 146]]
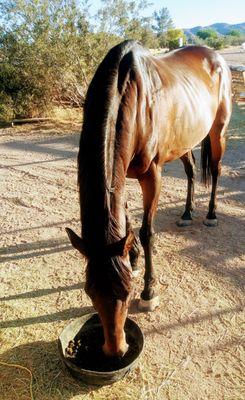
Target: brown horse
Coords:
[[140, 112]]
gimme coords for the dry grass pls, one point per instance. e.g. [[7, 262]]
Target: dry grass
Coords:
[[67, 114], [194, 340]]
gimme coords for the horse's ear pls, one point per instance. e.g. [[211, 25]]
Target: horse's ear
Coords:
[[76, 241], [123, 246]]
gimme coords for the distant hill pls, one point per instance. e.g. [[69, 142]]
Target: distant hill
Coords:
[[221, 27]]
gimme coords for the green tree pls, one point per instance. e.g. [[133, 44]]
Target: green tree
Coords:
[[234, 32], [234, 38], [141, 31], [173, 36], [207, 34], [162, 21], [211, 38], [115, 16], [124, 19], [49, 50]]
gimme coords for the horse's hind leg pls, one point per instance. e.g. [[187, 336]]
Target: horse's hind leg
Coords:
[[217, 147], [188, 160], [151, 185]]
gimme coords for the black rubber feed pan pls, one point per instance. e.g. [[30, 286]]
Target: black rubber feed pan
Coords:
[[80, 346]]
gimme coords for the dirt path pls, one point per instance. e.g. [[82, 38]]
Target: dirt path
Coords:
[[193, 340]]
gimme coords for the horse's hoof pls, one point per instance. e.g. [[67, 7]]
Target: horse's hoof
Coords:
[[135, 273], [184, 222], [210, 222], [148, 305]]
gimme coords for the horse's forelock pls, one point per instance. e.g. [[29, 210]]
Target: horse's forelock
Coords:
[[111, 278]]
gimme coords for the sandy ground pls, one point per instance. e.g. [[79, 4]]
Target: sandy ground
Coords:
[[234, 55], [193, 341]]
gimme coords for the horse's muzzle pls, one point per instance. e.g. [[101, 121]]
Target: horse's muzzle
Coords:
[[115, 350]]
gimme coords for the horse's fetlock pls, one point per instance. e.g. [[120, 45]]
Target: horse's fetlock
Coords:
[[148, 294]]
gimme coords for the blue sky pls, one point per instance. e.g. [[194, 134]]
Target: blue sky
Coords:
[[189, 13]]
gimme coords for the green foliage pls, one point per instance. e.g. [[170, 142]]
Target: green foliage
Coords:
[[163, 21], [207, 34], [45, 51], [195, 40], [234, 38], [116, 16], [6, 107], [212, 39], [173, 37], [140, 30], [234, 32], [216, 43], [49, 50]]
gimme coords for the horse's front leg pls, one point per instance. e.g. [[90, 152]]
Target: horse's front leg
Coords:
[[151, 186], [134, 251]]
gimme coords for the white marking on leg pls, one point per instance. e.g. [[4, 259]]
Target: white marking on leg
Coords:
[[149, 305]]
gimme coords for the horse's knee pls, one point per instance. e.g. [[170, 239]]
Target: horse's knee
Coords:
[[134, 254], [146, 236]]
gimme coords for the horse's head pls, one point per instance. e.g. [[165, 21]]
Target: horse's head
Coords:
[[109, 285]]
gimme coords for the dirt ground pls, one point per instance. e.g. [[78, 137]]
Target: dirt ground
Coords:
[[234, 55], [193, 341]]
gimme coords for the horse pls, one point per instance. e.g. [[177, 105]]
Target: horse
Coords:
[[141, 112]]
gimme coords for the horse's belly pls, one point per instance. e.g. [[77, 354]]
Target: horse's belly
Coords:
[[188, 127], [181, 144]]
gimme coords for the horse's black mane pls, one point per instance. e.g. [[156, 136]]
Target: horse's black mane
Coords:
[[95, 168]]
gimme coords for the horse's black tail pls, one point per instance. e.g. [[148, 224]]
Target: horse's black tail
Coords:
[[206, 155]]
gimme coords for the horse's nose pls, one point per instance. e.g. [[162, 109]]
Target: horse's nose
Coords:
[[111, 350]]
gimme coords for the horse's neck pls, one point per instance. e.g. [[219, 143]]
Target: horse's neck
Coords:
[[115, 179], [103, 205], [104, 160], [117, 210]]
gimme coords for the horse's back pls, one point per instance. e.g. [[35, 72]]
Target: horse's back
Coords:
[[206, 70], [152, 107], [199, 60], [183, 93]]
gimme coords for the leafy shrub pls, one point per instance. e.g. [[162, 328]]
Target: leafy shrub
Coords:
[[6, 107], [173, 37], [49, 50], [216, 43], [207, 34]]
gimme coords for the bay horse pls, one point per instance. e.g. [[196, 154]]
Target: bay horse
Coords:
[[140, 112]]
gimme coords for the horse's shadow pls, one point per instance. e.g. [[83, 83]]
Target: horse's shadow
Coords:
[[50, 376], [210, 248]]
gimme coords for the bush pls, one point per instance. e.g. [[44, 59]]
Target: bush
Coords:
[[48, 55], [216, 43], [173, 44], [6, 107], [173, 36], [234, 40], [49, 50], [207, 34]]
